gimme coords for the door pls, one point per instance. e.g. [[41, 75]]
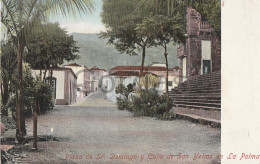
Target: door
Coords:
[[206, 63], [184, 69], [70, 93], [206, 66]]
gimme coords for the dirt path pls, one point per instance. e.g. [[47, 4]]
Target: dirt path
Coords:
[[94, 128]]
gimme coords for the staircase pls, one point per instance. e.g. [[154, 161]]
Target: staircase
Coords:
[[199, 92]]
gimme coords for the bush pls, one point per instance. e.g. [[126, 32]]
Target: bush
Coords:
[[167, 117], [43, 93], [123, 104], [149, 103], [32, 89]]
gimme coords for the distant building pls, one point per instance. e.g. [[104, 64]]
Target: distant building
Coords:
[[202, 51], [173, 76], [130, 74], [120, 77], [98, 76], [83, 79], [64, 85]]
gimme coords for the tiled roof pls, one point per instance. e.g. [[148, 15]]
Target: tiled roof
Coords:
[[97, 69], [176, 68], [138, 68], [129, 73], [73, 64], [63, 69]]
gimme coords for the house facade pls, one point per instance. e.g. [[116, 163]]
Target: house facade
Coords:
[[160, 71], [98, 76], [64, 85], [130, 74], [117, 78], [84, 78], [202, 52]]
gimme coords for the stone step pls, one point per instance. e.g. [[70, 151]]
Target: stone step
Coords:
[[197, 106], [208, 104], [198, 88], [197, 100], [206, 76], [198, 119], [201, 91], [197, 95], [203, 83]]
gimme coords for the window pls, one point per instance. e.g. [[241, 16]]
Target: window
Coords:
[[53, 85], [120, 80], [170, 83]]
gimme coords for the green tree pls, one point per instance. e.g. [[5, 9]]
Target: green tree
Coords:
[[120, 19], [18, 17], [48, 47], [8, 68], [163, 30], [210, 10]]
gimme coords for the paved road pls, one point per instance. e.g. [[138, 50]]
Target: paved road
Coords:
[[94, 128]]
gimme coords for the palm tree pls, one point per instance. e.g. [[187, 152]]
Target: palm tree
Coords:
[[19, 17]]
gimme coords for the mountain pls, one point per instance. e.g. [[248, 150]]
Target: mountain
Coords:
[[95, 51]]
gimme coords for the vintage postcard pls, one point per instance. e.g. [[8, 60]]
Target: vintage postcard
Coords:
[[114, 81]]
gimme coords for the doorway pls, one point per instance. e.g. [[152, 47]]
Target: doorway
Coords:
[[206, 66], [206, 61]]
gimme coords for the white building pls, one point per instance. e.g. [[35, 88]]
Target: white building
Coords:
[[120, 77], [84, 78], [64, 84], [98, 78]]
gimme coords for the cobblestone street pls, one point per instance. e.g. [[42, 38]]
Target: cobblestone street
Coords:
[[95, 131]]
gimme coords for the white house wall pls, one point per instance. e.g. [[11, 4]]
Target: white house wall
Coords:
[[162, 86], [111, 85], [60, 76], [79, 71]]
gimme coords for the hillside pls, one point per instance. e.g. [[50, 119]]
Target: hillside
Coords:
[[95, 52]]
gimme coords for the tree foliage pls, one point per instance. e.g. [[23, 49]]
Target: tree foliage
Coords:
[[37, 95], [49, 46], [120, 19], [18, 17], [210, 10], [8, 69]]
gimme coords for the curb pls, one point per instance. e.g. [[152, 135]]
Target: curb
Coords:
[[201, 120]]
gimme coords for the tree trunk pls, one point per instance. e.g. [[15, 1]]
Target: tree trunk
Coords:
[[167, 83], [35, 127], [5, 91], [39, 108], [40, 74], [51, 77], [45, 71], [142, 65], [20, 131]]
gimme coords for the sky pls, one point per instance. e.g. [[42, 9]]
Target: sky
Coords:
[[85, 23]]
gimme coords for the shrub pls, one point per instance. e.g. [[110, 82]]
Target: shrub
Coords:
[[32, 90], [123, 104], [121, 89], [168, 117], [149, 103], [43, 94]]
